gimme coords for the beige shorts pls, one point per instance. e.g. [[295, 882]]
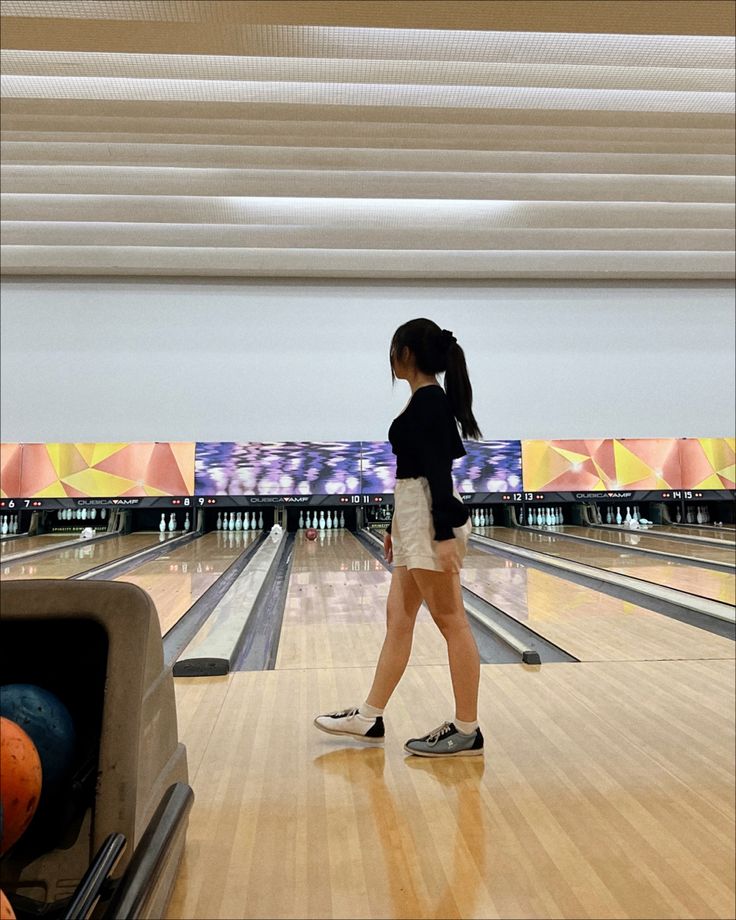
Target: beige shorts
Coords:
[[412, 528]]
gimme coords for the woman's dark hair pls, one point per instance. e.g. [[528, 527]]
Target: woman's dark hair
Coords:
[[436, 351]]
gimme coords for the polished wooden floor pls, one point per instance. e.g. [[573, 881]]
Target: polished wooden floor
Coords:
[[718, 586], [175, 580], [606, 789], [643, 539], [588, 624]]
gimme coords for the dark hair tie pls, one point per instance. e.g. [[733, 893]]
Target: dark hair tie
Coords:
[[448, 339]]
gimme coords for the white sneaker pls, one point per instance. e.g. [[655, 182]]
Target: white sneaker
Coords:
[[351, 722]]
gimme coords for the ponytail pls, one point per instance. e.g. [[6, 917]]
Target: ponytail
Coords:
[[459, 391]]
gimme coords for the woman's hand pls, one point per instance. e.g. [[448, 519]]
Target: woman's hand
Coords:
[[388, 548], [447, 555]]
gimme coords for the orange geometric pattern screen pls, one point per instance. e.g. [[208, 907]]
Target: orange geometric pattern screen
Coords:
[[10, 462], [605, 464], [107, 470]]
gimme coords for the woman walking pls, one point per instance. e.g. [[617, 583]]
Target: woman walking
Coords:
[[426, 541]]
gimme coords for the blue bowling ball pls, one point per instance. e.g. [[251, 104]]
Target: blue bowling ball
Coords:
[[49, 724]]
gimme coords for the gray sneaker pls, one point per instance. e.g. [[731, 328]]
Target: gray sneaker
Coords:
[[446, 741]]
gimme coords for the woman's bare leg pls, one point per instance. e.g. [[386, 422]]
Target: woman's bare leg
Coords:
[[404, 601], [442, 592]]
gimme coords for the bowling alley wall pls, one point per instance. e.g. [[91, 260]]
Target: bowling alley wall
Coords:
[[155, 360]]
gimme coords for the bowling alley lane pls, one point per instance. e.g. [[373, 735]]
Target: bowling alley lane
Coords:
[[176, 580], [32, 544], [83, 556], [650, 540], [335, 610], [718, 586], [588, 624], [722, 535]]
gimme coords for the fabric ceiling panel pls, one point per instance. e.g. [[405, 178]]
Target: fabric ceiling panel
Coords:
[[263, 138]]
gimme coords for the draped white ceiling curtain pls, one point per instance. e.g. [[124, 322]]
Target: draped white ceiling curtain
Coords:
[[332, 151]]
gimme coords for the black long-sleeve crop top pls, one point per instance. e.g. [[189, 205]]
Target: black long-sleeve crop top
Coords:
[[426, 440]]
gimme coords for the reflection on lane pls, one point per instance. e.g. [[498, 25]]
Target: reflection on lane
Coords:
[[692, 530], [718, 586], [335, 611], [83, 556], [176, 580], [33, 544], [646, 539], [588, 624]]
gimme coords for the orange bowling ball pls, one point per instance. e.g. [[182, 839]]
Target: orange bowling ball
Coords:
[[6, 911], [311, 534], [20, 782]]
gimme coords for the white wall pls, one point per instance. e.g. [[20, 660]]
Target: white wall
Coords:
[[136, 360]]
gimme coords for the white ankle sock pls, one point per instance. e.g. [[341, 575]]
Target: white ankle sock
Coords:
[[467, 728], [369, 712]]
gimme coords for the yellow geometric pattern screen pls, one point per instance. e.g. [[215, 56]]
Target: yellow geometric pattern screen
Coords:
[[604, 464], [708, 463], [107, 470]]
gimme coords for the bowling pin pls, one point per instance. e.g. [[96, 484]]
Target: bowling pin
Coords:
[[187, 525], [260, 521], [172, 523], [239, 521], [699, 516], [301, 520], [309, 521], [627, 519], [103, 513], [321, 520], [15, 524], [342, 520], [619, 519], [678, 516], [609, 516], [231, 521], [328, 521], [5, 526], [550, 521], [84, 514], [561, 518], [93, 513], [162, 523], [218, 525]]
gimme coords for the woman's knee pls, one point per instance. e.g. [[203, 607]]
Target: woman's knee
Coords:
[[450, 622]]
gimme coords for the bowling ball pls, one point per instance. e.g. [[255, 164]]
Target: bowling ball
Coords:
[[20, 781], [47, 721], [311, 534], [6, 911]]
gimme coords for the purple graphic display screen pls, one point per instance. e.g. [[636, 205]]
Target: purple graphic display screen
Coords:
[[378, 467], [490, 466], [278, 468], [340, 468]]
